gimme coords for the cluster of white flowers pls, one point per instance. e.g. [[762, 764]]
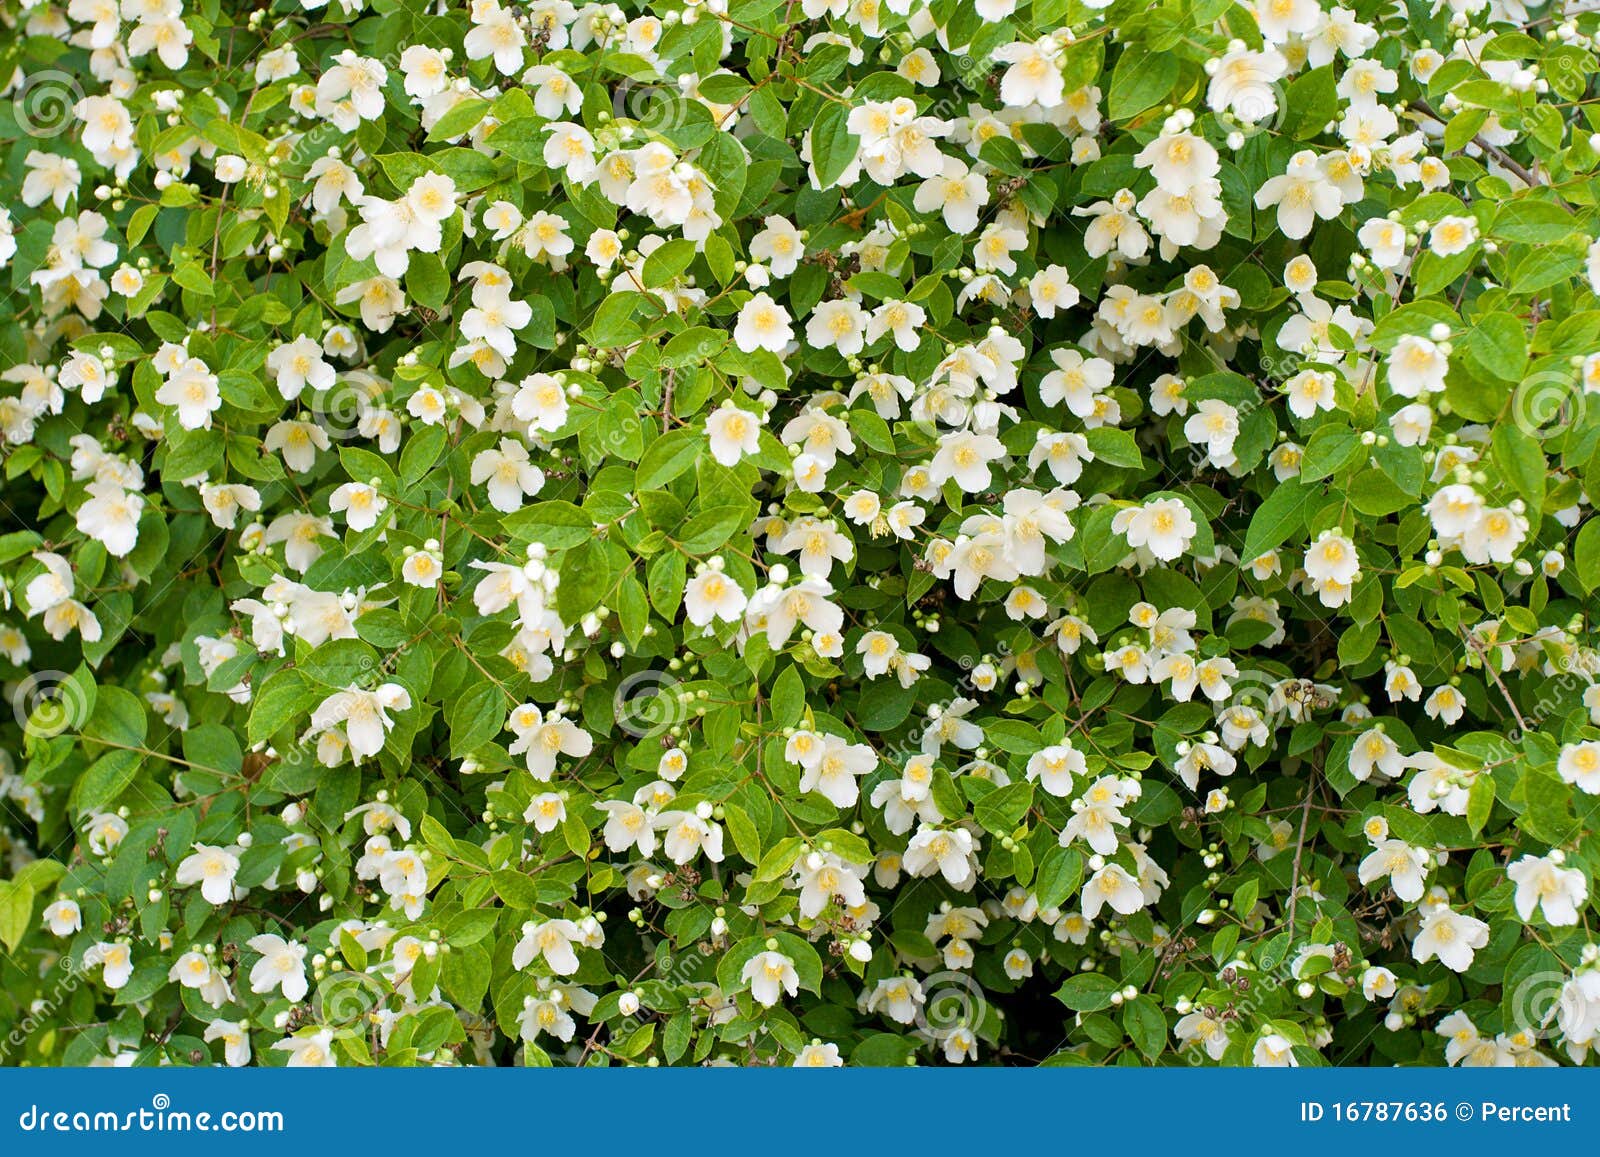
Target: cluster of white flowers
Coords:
[[778, 502]]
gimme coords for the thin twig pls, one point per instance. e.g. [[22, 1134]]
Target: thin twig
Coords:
[[1299, 849], [1529, 177]]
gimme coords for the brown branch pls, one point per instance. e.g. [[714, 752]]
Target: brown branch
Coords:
[[1529, 177]]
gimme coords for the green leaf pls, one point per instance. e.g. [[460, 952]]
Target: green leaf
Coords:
[[1480, 803], [556, 524], [1281, 517], [1536, 222], [1497, 344], [778, 859], [746, 837], [667, 262], [1145, 1025], [1003, 809], [1141, 79], [1087, 991], [1521, 464], [1586, 554], [711, 529], [667, 457], [16, 912], [476, 716], [833, 146], [788, 699], [1060, 873], [1332, 449]]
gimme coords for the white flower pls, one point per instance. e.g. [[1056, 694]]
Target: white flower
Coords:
[[770, 975], [839, 325], [1542, 883], [1385, 242], [1416, 366], [542, 739], [361, 505], [224, 502], [948, 851], [496, 33], [112, 516], [1244, 82], [1054, 767], [299, 364], [235, 1042], [194, 970], [763, 324], [836, 769], [627, 826], [1034, 77], [63, 917], [422, 568], [192, 390], [816, 1055], [1112, 886], [551, 940], [1579, 764], [1197, 1028], [1273, 1051], [1302, 195], [571, 148], [282, 966], [1075, 380], [509, 474], [1164, 526], [363, 716], [1332, 557], [115, 960], [1375, 750], [957, 193], [1450, 936], [688, 836], [713, 595], [1283, 20], [211, 867], [778, 246], [1309, 391], [965, 457], [1452, 235], [541, 401], [107, 127], [544, 235], [1050, 290], [1214, 425], [312, 1051], [1404, 865], [733, 433]]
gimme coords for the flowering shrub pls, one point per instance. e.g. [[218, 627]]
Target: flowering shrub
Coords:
[[800, 532]]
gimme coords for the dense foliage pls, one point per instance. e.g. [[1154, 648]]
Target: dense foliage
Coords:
[[799, 532]]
